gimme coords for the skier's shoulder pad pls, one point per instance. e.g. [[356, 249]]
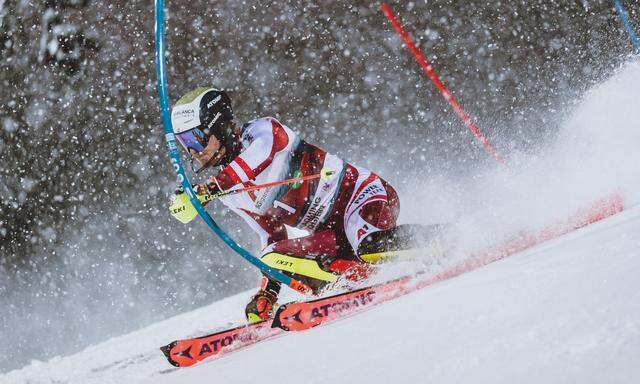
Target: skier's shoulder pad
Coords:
[[258, 127], [260, 122]]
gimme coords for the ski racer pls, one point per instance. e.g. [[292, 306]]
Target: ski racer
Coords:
[[343, 210]]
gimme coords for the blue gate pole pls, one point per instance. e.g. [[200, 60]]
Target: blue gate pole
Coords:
[[182, 176], [624, 17]]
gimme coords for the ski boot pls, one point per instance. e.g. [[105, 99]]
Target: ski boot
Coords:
[[260, 307]]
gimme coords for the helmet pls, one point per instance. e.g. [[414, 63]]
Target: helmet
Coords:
[[202, 113]]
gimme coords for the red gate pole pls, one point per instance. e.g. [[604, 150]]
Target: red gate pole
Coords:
[[433, 76]]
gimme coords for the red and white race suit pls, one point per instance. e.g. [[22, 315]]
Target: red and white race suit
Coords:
[[338, 212]]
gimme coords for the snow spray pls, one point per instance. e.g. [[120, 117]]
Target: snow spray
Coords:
[[594, 156]]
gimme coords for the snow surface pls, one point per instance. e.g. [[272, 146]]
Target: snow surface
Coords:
[[565, 311]]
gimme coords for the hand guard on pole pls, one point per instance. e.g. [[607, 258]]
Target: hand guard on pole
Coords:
[[181, 207]]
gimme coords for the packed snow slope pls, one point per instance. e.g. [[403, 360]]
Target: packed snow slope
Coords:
[[565, 311]]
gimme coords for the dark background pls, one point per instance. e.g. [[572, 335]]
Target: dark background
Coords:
[[87, 247]]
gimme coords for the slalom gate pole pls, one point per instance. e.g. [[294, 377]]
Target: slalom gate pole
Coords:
[[624, 18], [182, 176], [433, 76]]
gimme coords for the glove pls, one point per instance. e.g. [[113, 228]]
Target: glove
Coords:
[[203, 190]]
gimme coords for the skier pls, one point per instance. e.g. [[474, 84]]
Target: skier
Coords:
[[345, 210]]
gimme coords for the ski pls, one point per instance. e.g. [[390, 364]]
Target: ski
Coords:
[[293, 316], [300, 316], [187, 352]]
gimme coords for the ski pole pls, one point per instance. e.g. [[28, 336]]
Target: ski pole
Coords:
[[184, 211], [433, 76], [624, 18], [324, 173]]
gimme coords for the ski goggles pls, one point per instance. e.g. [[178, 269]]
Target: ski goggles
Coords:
[[193, 139]]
